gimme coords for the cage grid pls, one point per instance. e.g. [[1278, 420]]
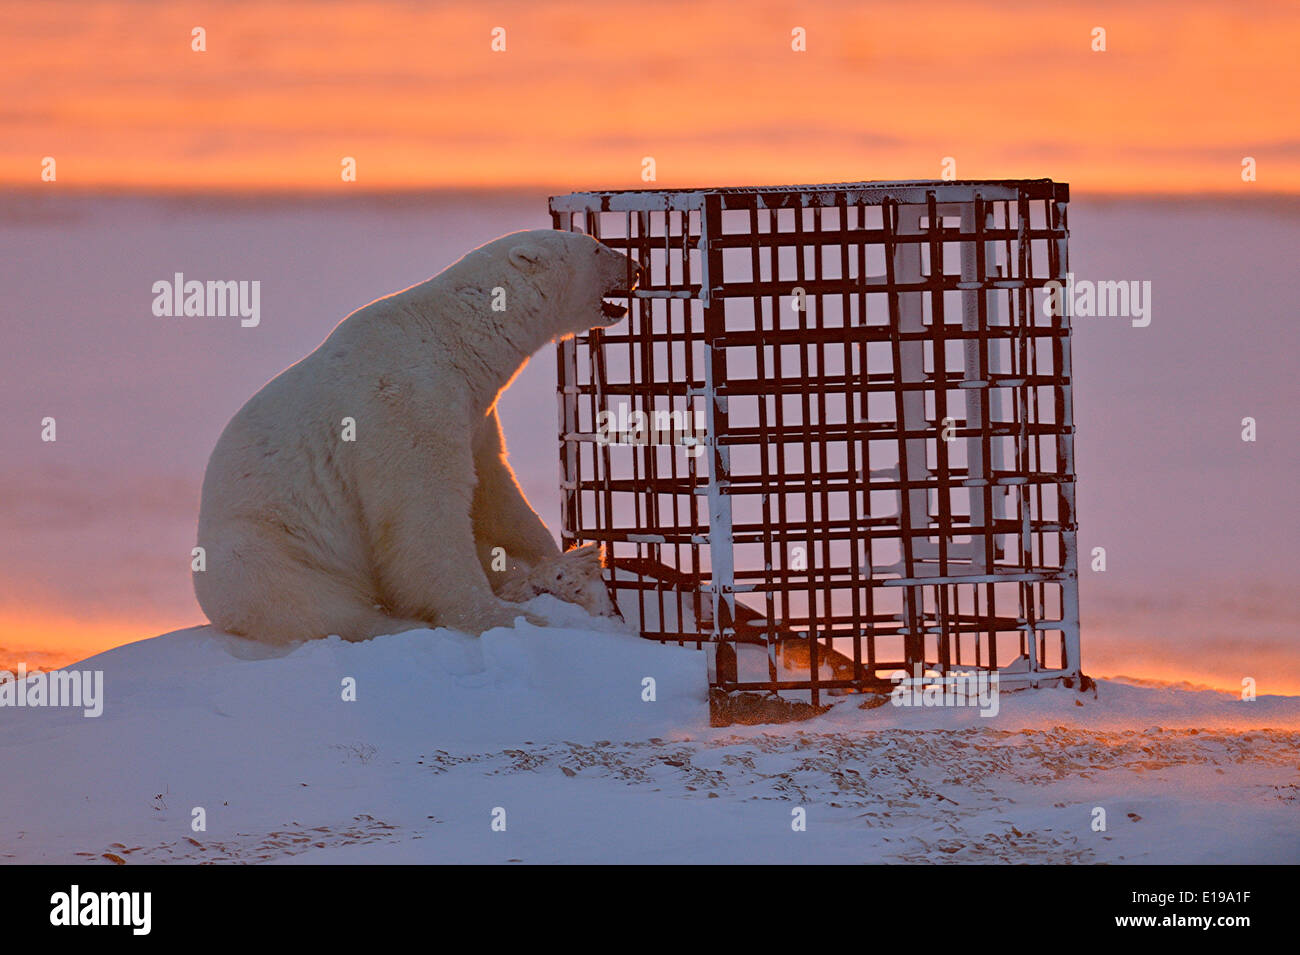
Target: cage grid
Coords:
[[834, 438]]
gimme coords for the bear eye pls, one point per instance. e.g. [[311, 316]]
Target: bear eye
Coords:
[[559, 576]]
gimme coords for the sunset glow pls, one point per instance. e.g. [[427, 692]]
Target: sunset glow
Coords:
[[583, 92], [115, 96]]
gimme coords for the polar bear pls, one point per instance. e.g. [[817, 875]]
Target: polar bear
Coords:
[[361, 491]]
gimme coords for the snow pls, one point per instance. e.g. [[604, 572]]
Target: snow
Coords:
[[549, 724]]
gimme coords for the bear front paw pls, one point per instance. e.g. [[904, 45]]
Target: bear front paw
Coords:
[[537, 620], [502, 614]]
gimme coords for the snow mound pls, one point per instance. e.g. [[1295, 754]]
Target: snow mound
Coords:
[[551, 727]]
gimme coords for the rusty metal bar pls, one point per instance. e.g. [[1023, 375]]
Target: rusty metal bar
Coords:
[[876, 573]]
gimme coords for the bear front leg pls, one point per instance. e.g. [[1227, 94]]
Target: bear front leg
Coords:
[[422, 539], [502, 516]]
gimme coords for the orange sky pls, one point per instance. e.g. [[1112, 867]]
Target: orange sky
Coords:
[[711, 90]]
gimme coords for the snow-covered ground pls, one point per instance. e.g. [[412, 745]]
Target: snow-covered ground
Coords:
[[550, 726]]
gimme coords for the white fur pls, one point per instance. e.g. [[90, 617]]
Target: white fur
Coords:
[[308, 535], [577, 576]]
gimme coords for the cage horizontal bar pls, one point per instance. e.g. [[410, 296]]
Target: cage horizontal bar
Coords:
[[907, 192]]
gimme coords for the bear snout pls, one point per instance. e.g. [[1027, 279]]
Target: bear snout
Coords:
[[627, 276], [615, 265]]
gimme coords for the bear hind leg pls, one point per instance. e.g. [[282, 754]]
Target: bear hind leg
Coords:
[[257, 592]]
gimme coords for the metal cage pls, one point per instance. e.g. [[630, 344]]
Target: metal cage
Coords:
[[833, 439]]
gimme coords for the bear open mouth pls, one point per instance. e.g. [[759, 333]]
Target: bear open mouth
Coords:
[[612, 309]]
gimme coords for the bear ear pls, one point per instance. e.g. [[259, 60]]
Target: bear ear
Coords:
[[590, 557], [526, 257]]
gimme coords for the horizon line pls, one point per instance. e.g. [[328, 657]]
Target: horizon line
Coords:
[[348, 190]]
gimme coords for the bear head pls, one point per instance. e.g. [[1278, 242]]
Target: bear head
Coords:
[[577, 575], [576, 275]]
